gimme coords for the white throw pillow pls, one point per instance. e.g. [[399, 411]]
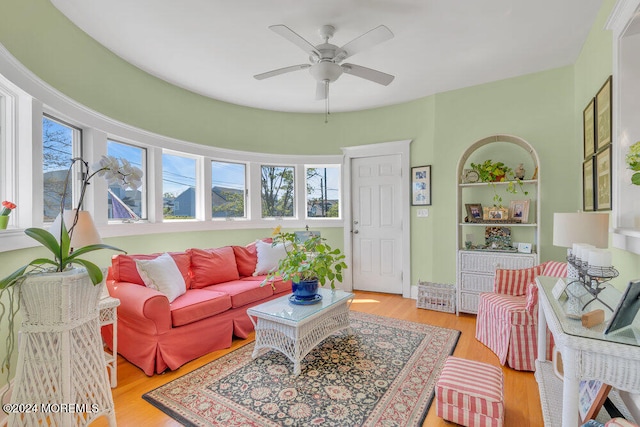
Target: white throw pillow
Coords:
[[268, 257], [163, 275]]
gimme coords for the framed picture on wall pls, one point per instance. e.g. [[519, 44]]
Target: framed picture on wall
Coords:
[[603, 180], [589, 129], [421, 185], [603, 115], [588, 195]]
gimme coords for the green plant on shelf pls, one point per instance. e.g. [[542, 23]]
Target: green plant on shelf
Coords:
[[492, 172]]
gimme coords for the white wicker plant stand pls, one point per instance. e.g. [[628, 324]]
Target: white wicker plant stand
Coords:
[[61, 373], [613, 359], [295, 330]]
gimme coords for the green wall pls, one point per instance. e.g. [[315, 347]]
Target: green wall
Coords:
[[543, 108]]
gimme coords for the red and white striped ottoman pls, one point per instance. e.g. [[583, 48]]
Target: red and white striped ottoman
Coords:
[[470, 393]]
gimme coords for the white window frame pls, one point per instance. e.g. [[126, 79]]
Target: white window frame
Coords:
[[209, 185]]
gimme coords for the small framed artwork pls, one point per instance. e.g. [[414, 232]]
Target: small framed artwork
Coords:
[[495, 214], [589, 129], [603, 180], [421, 185], [592, 395], [519, 210], [474, 211], [588, 195], [603, 115], [524, 248]]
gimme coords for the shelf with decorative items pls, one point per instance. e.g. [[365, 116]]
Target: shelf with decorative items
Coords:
[[498, 214]]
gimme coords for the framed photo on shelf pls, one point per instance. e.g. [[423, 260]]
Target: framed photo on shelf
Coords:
[[589, 129], [519, 210], [474, 211], [603, 180], [588, 195], [421, 186], [495, 214], [603, 115]]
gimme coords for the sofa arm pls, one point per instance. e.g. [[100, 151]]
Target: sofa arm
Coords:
[[146, 308]]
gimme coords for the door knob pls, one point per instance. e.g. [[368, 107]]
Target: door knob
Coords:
[[355, 231]]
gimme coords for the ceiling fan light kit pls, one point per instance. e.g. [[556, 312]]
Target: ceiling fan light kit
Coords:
[[326, 58]]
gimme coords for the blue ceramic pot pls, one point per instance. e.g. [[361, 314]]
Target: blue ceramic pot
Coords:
[[305, 289]]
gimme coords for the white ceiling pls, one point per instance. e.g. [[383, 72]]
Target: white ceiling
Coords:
[[214, 47]]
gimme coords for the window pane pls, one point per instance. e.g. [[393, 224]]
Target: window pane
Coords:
[[178, 187], [57, 152], [277, 191], [127, 204], [227, 190], [323, 192]]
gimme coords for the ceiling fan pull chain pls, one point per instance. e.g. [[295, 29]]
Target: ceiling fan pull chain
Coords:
[[326, 101]]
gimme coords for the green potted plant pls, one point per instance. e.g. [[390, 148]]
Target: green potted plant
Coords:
[[307, 264], [633, 162], [64, 256], [492, 172]]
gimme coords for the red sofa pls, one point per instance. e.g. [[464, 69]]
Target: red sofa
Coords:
[[156, 335]]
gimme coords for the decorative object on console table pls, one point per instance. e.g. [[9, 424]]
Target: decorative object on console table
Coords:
[[306, 264], [588, 193], [421, 185], [603, 115], [581, 231], [497, 238], [592, 394], [603, 180]]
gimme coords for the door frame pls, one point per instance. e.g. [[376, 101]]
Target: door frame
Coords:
[[370, 150]]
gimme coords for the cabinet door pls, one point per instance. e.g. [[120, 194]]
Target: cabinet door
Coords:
[[476, 282]]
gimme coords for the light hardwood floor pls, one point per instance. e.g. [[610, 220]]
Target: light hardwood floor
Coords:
[[521, 390]]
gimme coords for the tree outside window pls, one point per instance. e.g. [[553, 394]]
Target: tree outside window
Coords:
[[228, 190], [277, 191]]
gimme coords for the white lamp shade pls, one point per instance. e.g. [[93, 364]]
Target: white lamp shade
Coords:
[[582, 227], [85, 232]]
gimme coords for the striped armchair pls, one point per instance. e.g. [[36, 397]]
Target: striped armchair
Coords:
[[507, 319]]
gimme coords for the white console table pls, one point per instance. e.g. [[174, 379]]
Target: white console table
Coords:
[[586, 353]]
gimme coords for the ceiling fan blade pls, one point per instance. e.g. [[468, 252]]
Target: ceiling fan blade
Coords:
[[296, 39], [365, 41], [279, 71], [368, 73], [321, 90]]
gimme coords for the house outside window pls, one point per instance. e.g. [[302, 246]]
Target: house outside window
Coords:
[[127, 204], [178, 187], [228, 190]]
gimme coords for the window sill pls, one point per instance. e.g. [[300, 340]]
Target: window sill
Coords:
[[627, 239]]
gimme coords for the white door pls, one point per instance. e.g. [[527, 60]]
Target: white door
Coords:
[[376, 187]]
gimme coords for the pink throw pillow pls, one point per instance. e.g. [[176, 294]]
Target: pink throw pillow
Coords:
[[212, 266], [515, 282]]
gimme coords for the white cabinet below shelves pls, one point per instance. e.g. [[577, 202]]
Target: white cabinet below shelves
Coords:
[[476, 273]]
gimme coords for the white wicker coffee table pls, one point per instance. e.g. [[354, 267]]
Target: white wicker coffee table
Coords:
[[295, 330]]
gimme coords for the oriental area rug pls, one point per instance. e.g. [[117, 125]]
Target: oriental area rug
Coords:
[[383, 373]]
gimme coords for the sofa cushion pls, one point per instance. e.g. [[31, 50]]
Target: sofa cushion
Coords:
[[268, 257], [212, 266], [198, 304], [123, 267], [243, 292], [279, 286], [246, 259], [163, 275], [555, 269]]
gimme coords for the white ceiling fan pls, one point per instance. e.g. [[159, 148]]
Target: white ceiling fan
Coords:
[[326, 59]]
